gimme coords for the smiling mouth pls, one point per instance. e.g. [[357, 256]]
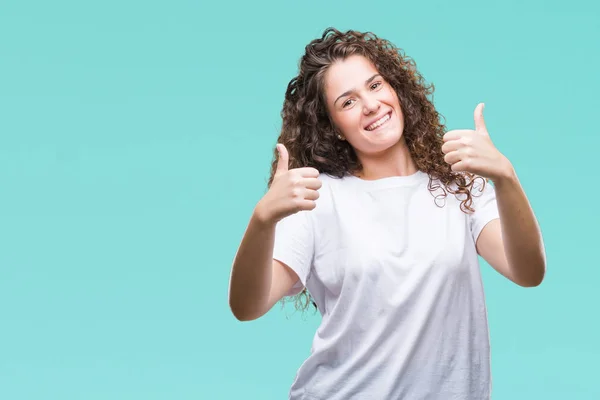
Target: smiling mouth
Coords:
[[381, 121]]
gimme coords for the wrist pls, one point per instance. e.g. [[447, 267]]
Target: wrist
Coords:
[[507, 175], [262, 217]]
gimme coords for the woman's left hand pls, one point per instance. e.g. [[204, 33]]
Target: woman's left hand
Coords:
[[473, 151]]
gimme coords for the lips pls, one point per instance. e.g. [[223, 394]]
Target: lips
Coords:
[[379, 122]]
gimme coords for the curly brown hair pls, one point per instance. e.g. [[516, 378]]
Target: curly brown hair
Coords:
[[310, 136]]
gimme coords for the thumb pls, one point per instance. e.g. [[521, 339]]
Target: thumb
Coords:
[[283, 160], [479, 120]]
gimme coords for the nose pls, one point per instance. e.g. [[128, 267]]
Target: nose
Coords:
[[370, 105]]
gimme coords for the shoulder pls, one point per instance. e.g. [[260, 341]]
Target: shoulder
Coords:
[[325, 177], [333, 189], [334, 185]]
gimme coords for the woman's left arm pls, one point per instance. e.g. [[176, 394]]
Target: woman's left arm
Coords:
[[513, 244]]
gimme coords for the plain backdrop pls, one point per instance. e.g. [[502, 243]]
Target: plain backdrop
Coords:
[[136, 138]]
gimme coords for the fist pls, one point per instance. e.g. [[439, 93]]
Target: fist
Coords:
[[291, 191]]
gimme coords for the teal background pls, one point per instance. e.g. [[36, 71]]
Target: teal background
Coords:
[[136, 138]]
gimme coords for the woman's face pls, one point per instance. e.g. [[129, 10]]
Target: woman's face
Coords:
[[363, 106]]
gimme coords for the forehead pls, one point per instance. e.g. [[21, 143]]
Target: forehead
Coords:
[[349, 73]]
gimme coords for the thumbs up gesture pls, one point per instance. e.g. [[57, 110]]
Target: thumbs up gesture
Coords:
[[291, 191], [473, 151]]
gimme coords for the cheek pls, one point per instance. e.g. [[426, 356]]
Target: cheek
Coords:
[[347, 122], [393, 95], [396, 102]]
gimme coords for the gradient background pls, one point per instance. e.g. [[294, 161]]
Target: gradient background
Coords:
[[136, 138]]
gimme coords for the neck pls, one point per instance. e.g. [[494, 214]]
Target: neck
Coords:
[[395, 161]]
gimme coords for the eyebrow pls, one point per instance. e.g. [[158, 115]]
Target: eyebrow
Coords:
[[346, 93]]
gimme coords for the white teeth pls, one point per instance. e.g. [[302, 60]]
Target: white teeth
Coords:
[[378, 123]]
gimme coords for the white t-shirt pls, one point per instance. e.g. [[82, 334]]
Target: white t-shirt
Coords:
[[395, 275]]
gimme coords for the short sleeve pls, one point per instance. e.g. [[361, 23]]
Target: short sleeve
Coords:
[[486, 207], [294, 246]]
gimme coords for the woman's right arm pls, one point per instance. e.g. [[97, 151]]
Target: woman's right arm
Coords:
[[258, 281]]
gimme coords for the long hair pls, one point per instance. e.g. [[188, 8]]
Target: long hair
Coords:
[[310, 137]]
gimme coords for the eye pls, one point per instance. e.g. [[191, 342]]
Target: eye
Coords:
[[375, 85], [347, 103]]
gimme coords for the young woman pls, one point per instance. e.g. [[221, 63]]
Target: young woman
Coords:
[[377, 215]]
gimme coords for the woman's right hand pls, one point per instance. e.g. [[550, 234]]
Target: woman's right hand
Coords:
[[291, 191]]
